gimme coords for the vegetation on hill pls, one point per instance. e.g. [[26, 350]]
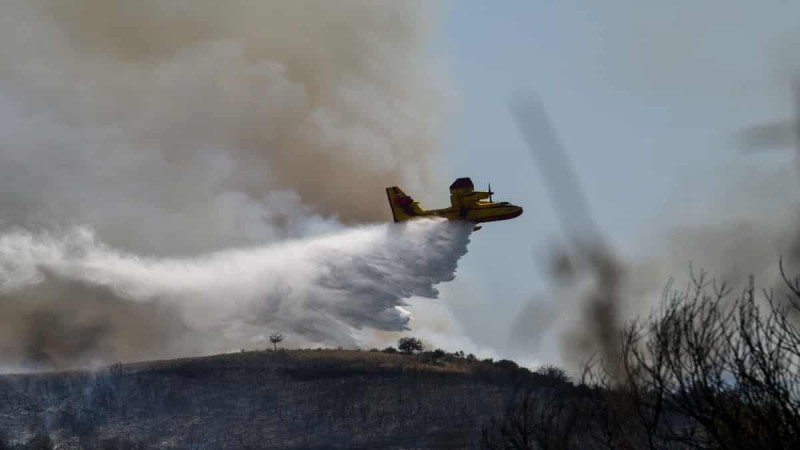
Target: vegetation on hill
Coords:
[[266, 399]]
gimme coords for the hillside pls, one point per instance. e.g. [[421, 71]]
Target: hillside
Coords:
[[285, 399]]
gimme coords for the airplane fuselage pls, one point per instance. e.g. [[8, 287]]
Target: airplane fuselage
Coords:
[[479, 212], [466, 204]]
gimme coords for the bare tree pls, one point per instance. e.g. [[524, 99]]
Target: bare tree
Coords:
[[709, 370], [276, 338], [706, 370]]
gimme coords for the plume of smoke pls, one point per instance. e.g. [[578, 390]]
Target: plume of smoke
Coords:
[[70, 299], [177, 127], [595, 311], [595, 293]]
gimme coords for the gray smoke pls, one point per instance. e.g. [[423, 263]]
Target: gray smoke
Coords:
[[174, 126], [595, 291], [595, 311], [171, 129]]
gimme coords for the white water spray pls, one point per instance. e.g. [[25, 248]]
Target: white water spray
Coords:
[[318, 291]]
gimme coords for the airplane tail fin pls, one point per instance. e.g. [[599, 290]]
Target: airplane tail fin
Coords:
[[403, 207]]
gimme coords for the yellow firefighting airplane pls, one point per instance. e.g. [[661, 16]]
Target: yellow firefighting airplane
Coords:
[[465, 204]]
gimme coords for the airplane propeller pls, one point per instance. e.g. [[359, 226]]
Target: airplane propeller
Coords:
[[490, 192]]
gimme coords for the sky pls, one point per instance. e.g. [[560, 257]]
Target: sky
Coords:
[[647, 98]]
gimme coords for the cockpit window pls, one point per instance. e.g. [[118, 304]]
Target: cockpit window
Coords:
[[504, 203]]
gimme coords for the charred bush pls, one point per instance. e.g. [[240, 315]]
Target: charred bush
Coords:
[[506, 364], [438, 353], [41, 441]]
